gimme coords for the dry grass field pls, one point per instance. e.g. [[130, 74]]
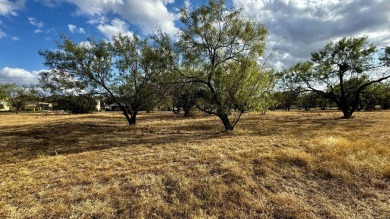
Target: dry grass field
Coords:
[[278, 165]]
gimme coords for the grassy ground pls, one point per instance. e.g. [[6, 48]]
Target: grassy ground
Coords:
[[278, 165]]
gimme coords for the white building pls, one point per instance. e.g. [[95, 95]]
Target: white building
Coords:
[[98, 106], [4, 105]]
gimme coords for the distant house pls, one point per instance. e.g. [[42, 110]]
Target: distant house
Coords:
[[45, 106], [115, 107], [98, 105], [4, 106], [38, 106]]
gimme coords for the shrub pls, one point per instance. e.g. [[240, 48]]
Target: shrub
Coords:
[[76, 104]]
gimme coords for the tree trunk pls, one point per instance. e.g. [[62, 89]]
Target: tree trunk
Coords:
[[347, 114], [187, 111], [129, 119], [226, 123], [133, 118]]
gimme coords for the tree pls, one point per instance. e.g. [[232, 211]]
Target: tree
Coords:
[[119, 69], [375, 95], [75, 104], [307, 100], [16, 95], [285, 99], [341, 71], [185, 96], [322, 102], [385, 97], [219, 50], [137, 84]]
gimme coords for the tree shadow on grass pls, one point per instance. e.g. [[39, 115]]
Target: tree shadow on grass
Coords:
[[296, 125], [72, 135], [22, 143]]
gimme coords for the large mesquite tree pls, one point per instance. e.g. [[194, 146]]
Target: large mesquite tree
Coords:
[[341, 71], [220, 51]]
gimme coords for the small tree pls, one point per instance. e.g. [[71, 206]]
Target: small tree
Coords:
[[341, 71], [75, 104], [375, 95], [385, 97], [307, 100], [16, 95], [285, 99], [186, 97]]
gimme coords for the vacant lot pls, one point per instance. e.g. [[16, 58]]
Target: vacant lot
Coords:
[[278, 165]]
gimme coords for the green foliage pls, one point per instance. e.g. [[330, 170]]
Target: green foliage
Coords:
[[77, 68], [136, 86], [3, 91], [17, 96], [219, 50], [341, 71], [375, 95], [123, 69], [285, 99], [75, 104]]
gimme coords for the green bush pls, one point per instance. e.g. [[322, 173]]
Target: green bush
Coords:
[[75, 104]]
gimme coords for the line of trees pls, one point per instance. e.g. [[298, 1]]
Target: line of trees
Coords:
[[213, 65], [216, 64], [376, 96]]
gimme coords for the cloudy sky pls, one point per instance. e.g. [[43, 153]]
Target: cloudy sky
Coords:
[[297, 27]]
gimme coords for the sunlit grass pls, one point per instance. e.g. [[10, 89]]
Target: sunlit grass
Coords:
[[278, 165]]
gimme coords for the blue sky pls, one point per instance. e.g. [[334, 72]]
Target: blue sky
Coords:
[[297, 27]]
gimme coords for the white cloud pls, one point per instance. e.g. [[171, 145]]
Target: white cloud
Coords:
[[15, 38], [187, 4], [38, 24], [35, 22], [85, 44], [147, 14], [300, 27], [115, 28], [18, 76], [10, 7], [74, 29], [2, 34]]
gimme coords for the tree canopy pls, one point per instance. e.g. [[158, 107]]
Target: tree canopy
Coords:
[[342, 70], [221, 52], [17, 96], [120, 69]]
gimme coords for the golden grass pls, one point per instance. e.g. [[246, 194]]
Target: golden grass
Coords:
[[278, 165]]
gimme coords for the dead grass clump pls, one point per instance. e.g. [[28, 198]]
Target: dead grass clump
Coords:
[[261, 167], [386, 173], [92, 209], [174, 192], [349, 159], [286, 205], [294, 157]]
